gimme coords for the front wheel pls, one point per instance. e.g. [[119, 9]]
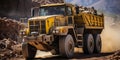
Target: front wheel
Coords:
[[28, 51], [66, 46]]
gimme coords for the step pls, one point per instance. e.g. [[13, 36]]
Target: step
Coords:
[[79, 41], [79, 46], [79, 35]]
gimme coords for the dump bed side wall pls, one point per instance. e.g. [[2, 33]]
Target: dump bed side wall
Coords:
[[90, 21], [92, 24], [93, 21]]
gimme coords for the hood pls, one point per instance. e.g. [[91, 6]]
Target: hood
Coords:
[[43, 17]]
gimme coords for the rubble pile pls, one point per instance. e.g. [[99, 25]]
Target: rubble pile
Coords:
[[115, 56], [10, 28], [10, 46]]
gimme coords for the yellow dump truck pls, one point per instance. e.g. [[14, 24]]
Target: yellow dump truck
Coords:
[[59, 28]]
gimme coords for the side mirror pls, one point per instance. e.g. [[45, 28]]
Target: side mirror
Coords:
[[34, 11]]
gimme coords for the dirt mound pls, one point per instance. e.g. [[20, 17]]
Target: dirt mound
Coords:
[[9, 28], [9, 38]]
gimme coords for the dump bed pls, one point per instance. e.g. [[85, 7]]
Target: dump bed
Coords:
[[89, 21]]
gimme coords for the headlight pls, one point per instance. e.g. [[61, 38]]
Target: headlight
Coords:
[[22, 32], [55, 31], [60, 30]]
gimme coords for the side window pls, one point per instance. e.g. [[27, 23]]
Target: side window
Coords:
[[69, 11]]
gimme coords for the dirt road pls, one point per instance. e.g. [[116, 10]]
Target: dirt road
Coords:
[[81, 56], [78, 55]]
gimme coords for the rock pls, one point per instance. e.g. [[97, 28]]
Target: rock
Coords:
[[17, 49]]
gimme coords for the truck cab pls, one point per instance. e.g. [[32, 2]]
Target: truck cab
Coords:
[[67, 10]]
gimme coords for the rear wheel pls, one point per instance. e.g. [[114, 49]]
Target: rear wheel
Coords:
[[66, 46], [98, 44], [28, 51], [88, 44]]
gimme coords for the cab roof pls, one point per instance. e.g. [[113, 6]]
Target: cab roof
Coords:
[[57, 4]]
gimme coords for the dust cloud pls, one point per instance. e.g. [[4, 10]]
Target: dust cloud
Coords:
[[111, 34]]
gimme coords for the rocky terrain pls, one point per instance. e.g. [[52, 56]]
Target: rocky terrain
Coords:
[[10, 43], [115, 56]]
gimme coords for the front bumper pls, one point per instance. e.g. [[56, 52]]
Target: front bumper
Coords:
[[41, 42]]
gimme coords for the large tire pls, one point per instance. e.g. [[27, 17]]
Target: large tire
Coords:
[[66, 46], [88, 44], [97, 44], [28, 51]]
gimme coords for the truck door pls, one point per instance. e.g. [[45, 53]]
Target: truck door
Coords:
[[69, 17]]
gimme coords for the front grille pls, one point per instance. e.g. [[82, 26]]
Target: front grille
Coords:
[[34, 26], [37, 26]]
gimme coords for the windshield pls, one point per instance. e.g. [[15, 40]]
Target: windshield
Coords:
[[53, 10]]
